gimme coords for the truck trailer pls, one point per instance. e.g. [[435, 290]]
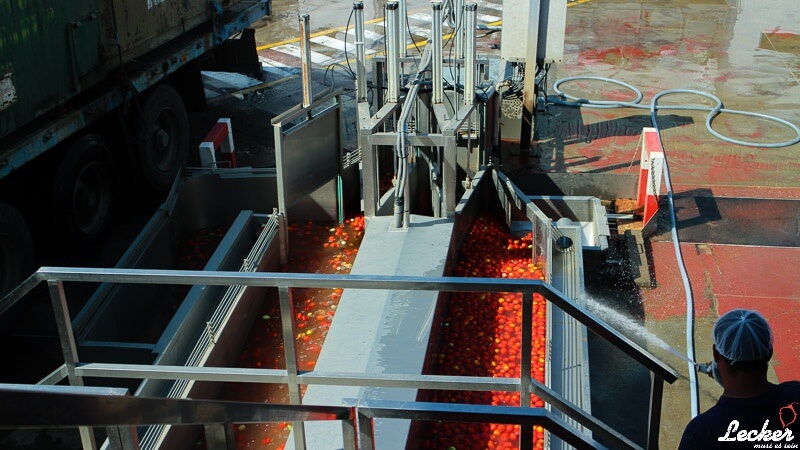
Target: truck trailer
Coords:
[[93, 100]]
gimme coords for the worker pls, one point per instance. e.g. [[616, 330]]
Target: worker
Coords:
[[752, 412]]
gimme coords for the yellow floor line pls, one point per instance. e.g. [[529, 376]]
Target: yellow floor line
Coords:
[[380, 19]]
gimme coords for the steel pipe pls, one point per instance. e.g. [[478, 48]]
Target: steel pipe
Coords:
[[361, 57], [526, 432], [392, 56], [469, 24], [305, 59], [290, 356], [436, 41], [401, 29], [458, 33], [69, 349]]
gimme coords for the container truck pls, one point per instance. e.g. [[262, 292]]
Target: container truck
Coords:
[[93, 100]]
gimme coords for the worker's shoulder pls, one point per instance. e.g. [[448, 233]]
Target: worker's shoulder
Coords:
[[791, 388]]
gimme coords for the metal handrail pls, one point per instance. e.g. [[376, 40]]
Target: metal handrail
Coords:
[[303, 280], [79, 406], [114, 408], [91, 406], [76, 370], [374, 380], [371, 409]]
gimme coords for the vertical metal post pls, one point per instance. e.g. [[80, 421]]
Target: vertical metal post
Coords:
[[410, 167], [392, 57], [436, 36], [68, 348], [529, 80], [283, 233], [369, 168], [290, 354], [458, 7], [449, 175], [305, 59], [470, 23], [349, 431], [219, 436], [366, 431], [526, 431], [123, 438], [401, 30], [361, 57], [654, 422]]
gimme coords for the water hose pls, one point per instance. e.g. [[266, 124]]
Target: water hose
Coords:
[[401, 147], [713, 112]]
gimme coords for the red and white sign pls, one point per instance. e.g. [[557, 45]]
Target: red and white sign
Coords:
[[651, 171], [220, 138]]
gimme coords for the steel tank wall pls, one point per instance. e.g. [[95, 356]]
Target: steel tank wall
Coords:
[[51, 51]]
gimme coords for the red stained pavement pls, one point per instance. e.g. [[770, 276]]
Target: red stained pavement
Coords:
[[725, 277]]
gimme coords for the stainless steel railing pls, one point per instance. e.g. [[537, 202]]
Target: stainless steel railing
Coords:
[[113, 409], [75, 371]]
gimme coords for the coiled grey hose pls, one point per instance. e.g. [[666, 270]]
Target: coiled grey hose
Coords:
[[713, 112]]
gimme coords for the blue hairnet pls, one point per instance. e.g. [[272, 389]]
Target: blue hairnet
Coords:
[[743, 335]]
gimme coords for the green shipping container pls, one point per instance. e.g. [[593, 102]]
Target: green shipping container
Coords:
[[52, 50]]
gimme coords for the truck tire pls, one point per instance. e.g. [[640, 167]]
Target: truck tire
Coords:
[[16, 249], [85, 190], [162, 137]]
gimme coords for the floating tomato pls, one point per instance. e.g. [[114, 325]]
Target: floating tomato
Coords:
[[486, 328]]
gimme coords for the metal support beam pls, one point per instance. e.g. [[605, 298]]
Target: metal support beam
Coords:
[[305, 59], [529, 81], [470, 22], [361, 58], [369, 163], [220, 436], [526, 432], [446, 412], [449, 181], [123, 438], [349, 434], [458, 10], [401, 29], [366, 432], [654, 421], [436, 36], [378, 98], [392, 53], [283, 232], [69, 349], [290, 354]]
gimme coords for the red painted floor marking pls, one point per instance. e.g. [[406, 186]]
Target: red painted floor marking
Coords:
[[756, 271], [760, 278]]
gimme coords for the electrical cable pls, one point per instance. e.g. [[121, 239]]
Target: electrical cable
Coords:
[[713, 112], [408, 27], [346, 56]]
